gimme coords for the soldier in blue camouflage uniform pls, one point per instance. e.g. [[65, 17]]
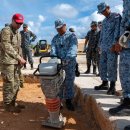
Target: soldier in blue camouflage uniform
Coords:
[[124, 65], [92, 41], [11, 60], [27, 38], [108, 39], [64, 45]]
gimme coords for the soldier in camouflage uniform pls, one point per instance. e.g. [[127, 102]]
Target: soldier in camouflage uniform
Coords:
[[92, 41], [64, 45], [11, 59], [108, 39], [27, 38], [124, 64]]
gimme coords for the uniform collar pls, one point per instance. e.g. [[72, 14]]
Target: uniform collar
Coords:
[[109, 15], [13, 30], [61, 35]]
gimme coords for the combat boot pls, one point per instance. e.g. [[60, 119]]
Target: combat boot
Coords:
[[88, 70], [11, 108], [123, 108], [111, 90], [69, 105], [127, 127], [103, 86], [31, 66], [24, 66], [18, 105], [94, 70], [98, 74], [77, 73]]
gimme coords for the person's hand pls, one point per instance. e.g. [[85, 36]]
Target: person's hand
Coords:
[[65, 62], [22, 61], [118, 48], [99, 50], [113, 48]]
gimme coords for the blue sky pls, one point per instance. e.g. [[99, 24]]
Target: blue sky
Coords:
[[41, 14]]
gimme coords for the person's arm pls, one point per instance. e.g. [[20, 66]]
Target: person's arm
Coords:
[[125, 22], [86, 41], [33, 37], [72, 50], [117, 28], [53, 48]]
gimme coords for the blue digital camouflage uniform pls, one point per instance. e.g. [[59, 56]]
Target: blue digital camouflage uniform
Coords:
[[65, 47], [109, 36], [124, 65], [27, 38]]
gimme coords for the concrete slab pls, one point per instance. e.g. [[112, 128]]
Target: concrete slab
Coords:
[[87, 83]]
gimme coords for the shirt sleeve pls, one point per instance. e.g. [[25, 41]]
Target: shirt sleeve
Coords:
[[72, 52], [6, 44], [87, 36], [117, 28], [33, 37], [53, 48], [100, 38], [125, 22]]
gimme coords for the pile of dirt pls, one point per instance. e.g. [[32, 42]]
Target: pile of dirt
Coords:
[[31, 117], [87, 116]]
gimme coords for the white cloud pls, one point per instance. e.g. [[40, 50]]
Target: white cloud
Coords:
[[92, 4], [64, 11], [37, 25], [31, 23], [41, 18], [85, 21], [118, 9]]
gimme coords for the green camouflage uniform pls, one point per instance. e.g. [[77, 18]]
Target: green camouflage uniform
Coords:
[[10, 43]]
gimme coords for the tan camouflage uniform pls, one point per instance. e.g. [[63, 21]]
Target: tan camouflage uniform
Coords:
[[10, 42]]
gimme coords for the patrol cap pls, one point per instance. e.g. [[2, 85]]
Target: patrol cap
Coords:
[[101, 7], [71, 30], [93, 23], [59, 23], [25, 25], [18, 18], [7, 24]]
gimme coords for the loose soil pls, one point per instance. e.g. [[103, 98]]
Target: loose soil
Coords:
[[31, 117]]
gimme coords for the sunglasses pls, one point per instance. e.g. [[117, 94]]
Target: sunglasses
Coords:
[[19, 23]]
